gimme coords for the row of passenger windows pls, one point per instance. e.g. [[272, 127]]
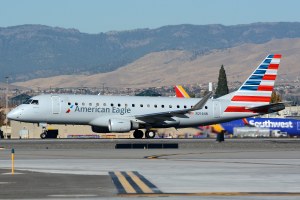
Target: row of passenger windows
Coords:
[[133, 105]]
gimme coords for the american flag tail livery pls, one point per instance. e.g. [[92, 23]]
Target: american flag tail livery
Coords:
[[255, 94]]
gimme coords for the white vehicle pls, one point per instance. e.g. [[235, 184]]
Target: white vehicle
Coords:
[[255, 132], [278, 133], [124, 113]]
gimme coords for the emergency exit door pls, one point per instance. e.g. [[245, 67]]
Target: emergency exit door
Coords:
[[55, 104], [216, 109]]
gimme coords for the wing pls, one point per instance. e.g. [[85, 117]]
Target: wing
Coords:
[[175, 113]]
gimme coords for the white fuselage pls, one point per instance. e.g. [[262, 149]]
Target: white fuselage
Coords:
[[98, 110]]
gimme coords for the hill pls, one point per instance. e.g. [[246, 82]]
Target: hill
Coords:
[[168, 68], [34, 51]]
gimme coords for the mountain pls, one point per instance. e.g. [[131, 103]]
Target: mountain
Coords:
[[35, 51], [167, 68]]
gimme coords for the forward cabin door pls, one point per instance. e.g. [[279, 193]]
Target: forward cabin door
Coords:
[[216, 109], [55, 104]]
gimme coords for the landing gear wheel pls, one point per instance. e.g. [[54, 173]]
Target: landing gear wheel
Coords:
[[138, 134], [150, 134], [43, 135]]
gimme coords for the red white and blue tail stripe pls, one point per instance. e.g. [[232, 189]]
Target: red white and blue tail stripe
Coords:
[[257, 89]]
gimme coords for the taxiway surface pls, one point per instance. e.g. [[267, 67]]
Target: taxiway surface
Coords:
[[252, 169]]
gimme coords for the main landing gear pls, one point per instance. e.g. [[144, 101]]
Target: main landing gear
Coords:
[[138, 134]]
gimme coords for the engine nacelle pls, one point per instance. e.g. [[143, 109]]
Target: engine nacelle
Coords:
[[119, 125], [99, 129]]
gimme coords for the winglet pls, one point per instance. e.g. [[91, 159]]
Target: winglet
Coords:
[[202, 102]]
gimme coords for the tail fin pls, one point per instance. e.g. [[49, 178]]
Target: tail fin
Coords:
[[180, 92], [257, 89]]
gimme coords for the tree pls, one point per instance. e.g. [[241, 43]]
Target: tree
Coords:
[[2, 118], [148, 92], [275, 97], [222, 87]]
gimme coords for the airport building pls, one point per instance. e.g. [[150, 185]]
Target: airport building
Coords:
[[23, 130]]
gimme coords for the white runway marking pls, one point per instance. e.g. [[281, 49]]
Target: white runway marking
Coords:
[[73, 195]]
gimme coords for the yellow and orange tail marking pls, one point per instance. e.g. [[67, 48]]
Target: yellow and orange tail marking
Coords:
[[180, 92]]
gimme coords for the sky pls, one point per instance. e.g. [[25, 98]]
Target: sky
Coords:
[[95, 16]]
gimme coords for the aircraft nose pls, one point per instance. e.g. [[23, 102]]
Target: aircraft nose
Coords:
[[14, 114]]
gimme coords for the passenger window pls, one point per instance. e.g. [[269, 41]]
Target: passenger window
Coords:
[[36, 102], [126, 104], [155, 106], [76, 104], [119, 105], [205, 107], [104, 104], [97, 104], [141, 105], [133, 105], [162, 106], [148, 105], [178, 106], [191, 106], [184, 106], [111, 104], [170, 106], [90, 104]]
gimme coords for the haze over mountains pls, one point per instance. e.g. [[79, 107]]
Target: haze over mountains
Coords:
[[143, 57]]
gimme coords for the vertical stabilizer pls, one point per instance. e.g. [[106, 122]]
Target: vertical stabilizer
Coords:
[[180, 92], [257, 89]]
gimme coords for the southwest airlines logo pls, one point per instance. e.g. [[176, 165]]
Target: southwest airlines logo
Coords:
[[270, 124]]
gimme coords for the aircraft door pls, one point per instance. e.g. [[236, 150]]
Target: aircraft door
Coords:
[[298, 126], [216, 109], [55, 104]]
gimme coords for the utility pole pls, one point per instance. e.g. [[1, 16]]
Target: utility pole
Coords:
[[103, 84], [6, 106]]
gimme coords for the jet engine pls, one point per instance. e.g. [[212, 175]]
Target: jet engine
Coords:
[[121, 125]]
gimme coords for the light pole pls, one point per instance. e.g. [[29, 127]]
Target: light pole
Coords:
[[6, 106], [103, 84]]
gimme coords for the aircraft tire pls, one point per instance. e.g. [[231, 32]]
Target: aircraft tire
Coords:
[[43, 135], [150, 134], [138, 134]]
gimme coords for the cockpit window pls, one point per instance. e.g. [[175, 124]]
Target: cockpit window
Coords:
[[28, 101], [36, 102]]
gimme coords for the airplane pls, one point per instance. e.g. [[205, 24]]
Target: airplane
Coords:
[[126, 113], [284, 125]]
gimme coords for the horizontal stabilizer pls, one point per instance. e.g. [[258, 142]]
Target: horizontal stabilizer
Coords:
[[269, 108]]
